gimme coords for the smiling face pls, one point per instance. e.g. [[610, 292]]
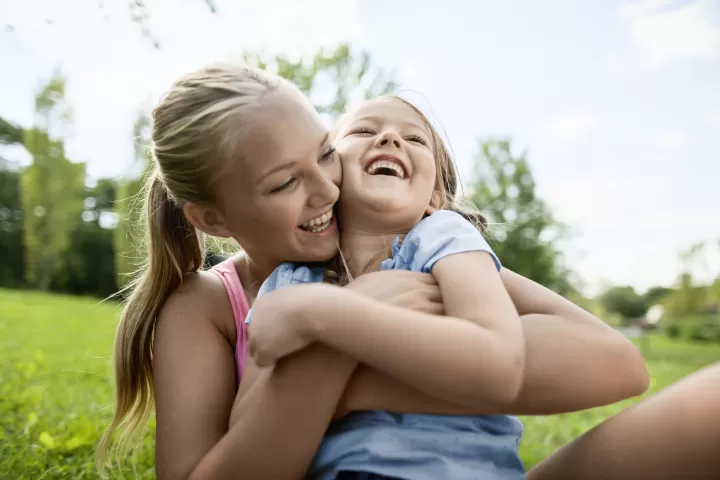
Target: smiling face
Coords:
[[389, 172], [277, 198]]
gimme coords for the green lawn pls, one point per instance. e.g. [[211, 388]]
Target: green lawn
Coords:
[[55, 390]]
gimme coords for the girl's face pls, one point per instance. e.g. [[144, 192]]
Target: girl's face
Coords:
[[277, 199], [388, 167]]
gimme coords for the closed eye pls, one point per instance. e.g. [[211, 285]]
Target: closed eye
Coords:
[[361, 131], [416, 139], [284, 186], [328, 155]]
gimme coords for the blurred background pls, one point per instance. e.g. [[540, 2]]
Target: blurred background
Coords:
[[588, 132]]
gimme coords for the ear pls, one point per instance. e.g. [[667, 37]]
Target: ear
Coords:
[[437, 202], [206, 219]]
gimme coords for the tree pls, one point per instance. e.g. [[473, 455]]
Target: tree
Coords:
[[52, 187], [687, 298], [624, 301], [523, 225], [340, 70], [655, 294], [12, 262], [10, 134], [88, 263]]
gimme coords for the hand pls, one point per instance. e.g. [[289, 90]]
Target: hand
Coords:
[[412, 290], [279, 325]]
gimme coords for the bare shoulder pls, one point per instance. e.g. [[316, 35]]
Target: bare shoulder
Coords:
[[200, 298]]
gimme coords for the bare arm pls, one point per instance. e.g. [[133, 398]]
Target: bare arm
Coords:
[[673, 434], [194, 371], [438, 355], [574, 361], [277, 421]]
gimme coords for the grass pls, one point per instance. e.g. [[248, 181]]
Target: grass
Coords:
[[56, 394]]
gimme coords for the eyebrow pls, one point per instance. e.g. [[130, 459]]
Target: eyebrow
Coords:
[[291, 163]]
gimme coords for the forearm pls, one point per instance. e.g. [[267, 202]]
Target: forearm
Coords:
[[570, 366], [446, 357], [279, 423]]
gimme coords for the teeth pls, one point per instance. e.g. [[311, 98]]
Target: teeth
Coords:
[[375, 166], [318, 224]]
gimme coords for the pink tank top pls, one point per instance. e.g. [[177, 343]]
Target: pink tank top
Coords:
[[240, 307]]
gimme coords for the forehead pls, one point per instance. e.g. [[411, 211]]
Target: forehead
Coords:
[[285, 127], [386, 110]]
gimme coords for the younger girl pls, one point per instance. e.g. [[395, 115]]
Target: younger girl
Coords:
[[395, 192]]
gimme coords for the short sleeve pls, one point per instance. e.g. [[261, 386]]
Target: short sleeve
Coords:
[[288, 274], [439, 235]]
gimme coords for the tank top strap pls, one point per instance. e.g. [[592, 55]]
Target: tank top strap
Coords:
[[228, 274]]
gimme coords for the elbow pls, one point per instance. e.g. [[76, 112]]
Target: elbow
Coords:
[[628, 374], [636, 378], [509, 379], [515, 376]]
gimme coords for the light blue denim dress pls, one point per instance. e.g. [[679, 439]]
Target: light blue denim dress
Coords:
[[416, 446]]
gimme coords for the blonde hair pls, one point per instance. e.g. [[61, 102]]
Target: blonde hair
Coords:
[[196, 129], [446, 179], [446, 173]]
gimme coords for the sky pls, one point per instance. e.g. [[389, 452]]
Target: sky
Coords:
[[617, 103]]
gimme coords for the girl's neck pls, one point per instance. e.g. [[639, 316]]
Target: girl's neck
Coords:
[[364, 251]]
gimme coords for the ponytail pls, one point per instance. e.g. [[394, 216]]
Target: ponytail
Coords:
[[174, 248]]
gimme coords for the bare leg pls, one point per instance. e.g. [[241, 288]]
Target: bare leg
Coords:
[[675, 434]]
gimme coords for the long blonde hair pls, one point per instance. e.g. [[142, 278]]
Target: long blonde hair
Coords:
[[196, 128], [446, 179]]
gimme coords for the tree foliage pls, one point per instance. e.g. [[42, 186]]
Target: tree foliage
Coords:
[[625, 301], [340, 70], [52, 187], [12, 260], [10, 134], [522, 224]]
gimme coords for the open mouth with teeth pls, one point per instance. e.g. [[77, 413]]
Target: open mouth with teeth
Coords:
[[318, 224], [386, 166]]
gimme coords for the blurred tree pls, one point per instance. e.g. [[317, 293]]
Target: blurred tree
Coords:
[[10, 133], [339, 70], [88, 263], [52, 187], [687, 298], [12, 261], [655, 295], [527, 233], [12, 265], [624, 301]]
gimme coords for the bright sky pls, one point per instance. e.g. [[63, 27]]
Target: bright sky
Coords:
[[617, 102]]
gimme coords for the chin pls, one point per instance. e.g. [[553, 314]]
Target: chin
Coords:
[[322, 252]]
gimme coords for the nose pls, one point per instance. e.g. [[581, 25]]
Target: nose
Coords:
[[323, 191], [388, 138]]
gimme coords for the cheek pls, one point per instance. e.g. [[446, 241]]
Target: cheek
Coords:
[[429, 170], [336, 173], [264, 221]]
